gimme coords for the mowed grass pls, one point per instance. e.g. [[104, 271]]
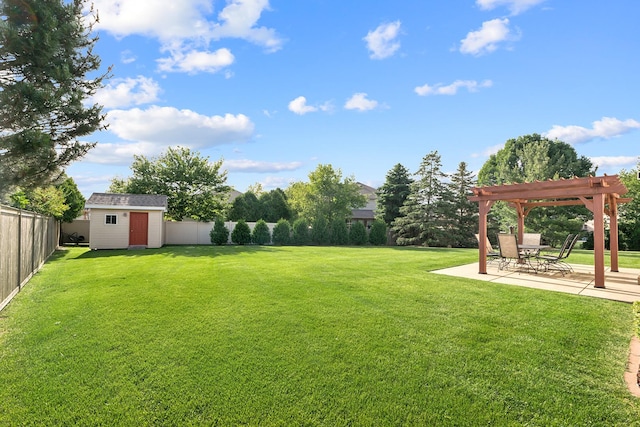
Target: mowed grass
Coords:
[[305, 336]]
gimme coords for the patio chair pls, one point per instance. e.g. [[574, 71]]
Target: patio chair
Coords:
[[531, 239], [557, 262], [492, 254], [511, 256]]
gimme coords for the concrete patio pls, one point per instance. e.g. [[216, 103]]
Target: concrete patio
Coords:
[[619, 286]]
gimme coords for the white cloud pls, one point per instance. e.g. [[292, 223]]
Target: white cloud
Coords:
[[606, 128], [452, 89], [618, 162], [170, 126], [197, 61], [127, 57], [360, 102], [245, 165], [119, 93], [515, 6], [488, 151], [487, 38], [239, 18], [299, 106], [382, 42]]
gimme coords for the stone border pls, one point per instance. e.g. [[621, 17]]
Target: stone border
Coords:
[[632, 374]]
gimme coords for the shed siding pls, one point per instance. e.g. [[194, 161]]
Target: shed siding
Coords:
[[116, 236], [156, 230]]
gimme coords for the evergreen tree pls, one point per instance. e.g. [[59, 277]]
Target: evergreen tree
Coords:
[[463, 224], [274, 205], [424, 214], [358, 234], [393, 193], [320, 231], [261, 234], [46, 55], [73, 198], [282, 233], [219, 233], [246, 206], [378, 233], [300, 232], [339, 232], [241, 234]]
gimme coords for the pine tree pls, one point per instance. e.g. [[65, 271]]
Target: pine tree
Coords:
[[393, 193], [463, 223], [46, 55]]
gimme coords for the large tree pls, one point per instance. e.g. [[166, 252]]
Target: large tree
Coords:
[[46, 58], [629, 222], [428, 208], [463, 223], [326, 195], [393, 193], [533, 157], [195, 187]]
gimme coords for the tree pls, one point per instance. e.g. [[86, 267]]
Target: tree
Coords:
[[261, 234], [241, 234], [629, 222], [46, 55], [282, 233], [195, 188], [274, 205], [378, 233], [339, 232], [425, 212], [529, 158], [463, 223], [73, 198], [326, 194], [300, 232], [393, 193], [246, 206], [358, 234], [219, 233], [320, 231], [44, 200]]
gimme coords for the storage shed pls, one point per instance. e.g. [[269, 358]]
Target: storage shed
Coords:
[[121, 221]]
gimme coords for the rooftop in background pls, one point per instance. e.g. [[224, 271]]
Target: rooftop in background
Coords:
[[111, 200]]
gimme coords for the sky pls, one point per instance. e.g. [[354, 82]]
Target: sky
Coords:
[[274, 88]]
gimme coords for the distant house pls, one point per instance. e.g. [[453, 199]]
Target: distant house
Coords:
[[367, 214], [120, 221]]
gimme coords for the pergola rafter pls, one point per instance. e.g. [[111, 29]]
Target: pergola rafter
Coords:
[[601, 195]]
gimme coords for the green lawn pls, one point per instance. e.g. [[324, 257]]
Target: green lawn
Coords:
[[305, 336]]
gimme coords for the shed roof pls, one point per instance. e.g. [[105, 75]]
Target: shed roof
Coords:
[[131, 201]]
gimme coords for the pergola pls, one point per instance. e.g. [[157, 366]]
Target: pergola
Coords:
[[601, 195]]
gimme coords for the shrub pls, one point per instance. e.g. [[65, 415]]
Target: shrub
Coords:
[[320, 231], [282, 233], [358, 234], [378, 233], [339, 232], [241, 234], [261, 234], [219, 233], [300, 232]]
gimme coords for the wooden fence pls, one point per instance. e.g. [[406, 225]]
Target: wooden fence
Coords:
[[27, 239]]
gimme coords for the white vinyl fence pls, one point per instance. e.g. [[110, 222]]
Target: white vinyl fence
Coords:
[[197, 233]]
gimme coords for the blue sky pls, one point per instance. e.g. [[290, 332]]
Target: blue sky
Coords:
[[275, 88]]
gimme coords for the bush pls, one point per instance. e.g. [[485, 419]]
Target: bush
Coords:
[[358, 234], [378, 233], [261, 234], [320, 231], [300, 232], [282, 233], [339, 232], [241, 234], [219, 233]]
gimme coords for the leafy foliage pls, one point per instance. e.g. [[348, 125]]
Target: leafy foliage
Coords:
[[241, 234], [246, 206], [195, 187], [44, 200], [219, 233], [261, 234], [629, 221], [378, 233], [358, 234], [464, 214], [282, 232], [320, 231], [326, 195], [73, 198], [46, 55]]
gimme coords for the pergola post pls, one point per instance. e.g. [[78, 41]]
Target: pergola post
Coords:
[[598, 239], [483, 209], [613, 233]]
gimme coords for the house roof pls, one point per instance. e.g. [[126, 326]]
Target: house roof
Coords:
[[363, 214], [131, 201]]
